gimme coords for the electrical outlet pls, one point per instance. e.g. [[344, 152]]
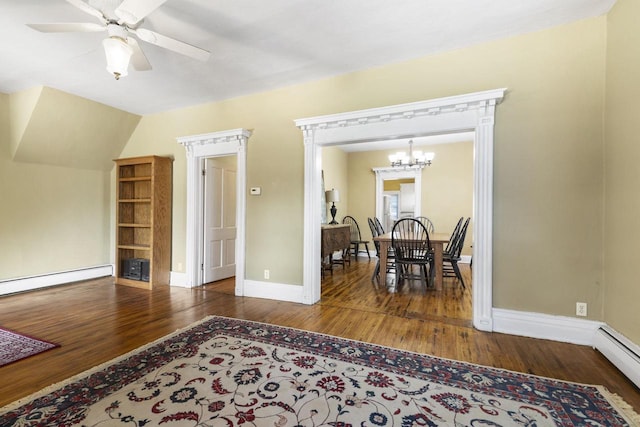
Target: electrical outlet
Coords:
[[581, 309], [266, 274]]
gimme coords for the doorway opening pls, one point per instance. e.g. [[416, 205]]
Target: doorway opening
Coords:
[[473, 112], [390, 203], [198, 148]]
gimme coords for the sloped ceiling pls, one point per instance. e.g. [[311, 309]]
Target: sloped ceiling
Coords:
[[55, 128]]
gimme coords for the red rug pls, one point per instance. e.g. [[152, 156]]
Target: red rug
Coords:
[[229, 372], [15, 346]]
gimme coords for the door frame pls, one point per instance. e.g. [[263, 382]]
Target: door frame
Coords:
[[389, 173], [198, 148], [461, 113]]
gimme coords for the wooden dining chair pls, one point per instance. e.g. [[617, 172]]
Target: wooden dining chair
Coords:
[[454, 235], [356, 237], [412, 247], [374, 234], [427, 223], [453, 254], [375, 231]]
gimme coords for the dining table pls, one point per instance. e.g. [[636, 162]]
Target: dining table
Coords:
[[438, 240]]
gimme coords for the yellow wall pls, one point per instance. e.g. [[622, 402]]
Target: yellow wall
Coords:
[[548, 171], [548, 167], [336, 172], [51, 218], [23, 104], [622, 171], [394, 184]]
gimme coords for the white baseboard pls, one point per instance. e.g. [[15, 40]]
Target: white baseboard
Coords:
[[270, 290], [23, 284], [620, 351], [545, 326], [178, 279]]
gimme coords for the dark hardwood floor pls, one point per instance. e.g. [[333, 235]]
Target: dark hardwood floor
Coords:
[[95, 321]]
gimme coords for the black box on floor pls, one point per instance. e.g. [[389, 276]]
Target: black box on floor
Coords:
[[136, 269]]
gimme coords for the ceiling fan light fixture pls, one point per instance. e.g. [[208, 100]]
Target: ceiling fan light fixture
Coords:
[[121, 19], [118, 53]]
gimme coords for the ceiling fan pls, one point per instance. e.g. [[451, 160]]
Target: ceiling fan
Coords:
[[121, 24]]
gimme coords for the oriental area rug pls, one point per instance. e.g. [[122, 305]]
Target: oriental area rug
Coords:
[[15, 346], [226, 372]]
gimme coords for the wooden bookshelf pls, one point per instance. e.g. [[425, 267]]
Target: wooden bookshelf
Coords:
[[143, 218]]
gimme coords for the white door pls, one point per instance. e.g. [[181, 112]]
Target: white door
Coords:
[[219, 218]]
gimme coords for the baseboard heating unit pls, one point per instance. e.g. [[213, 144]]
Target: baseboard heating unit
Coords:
[[621, 351], [22, 284]]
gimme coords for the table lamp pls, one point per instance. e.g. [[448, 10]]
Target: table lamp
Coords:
[[332, 196]]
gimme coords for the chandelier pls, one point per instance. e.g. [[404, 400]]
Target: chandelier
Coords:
[[415, 158]]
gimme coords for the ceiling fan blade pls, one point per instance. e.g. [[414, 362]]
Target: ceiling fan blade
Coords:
[[133, 11], [138, 58], [172, 44], [88, 9], [68, 27]]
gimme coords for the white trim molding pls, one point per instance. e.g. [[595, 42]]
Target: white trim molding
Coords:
[[198, 148], [545, 326], [178, 279], [271, 290], [22, 284], [461, 113]]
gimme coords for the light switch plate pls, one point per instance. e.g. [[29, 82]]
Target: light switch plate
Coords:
[[256, 191]]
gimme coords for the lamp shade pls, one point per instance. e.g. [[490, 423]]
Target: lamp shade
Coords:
[[332, 195], [118, 54]]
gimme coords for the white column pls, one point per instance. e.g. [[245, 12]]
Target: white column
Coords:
[[241, 208], [193, 175], [483, 221], [312, 218]]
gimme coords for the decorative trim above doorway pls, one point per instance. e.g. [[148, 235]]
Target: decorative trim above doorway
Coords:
[[461, 113], [198, 148]]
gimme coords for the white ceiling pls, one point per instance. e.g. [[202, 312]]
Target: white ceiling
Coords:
[[256, 45]]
